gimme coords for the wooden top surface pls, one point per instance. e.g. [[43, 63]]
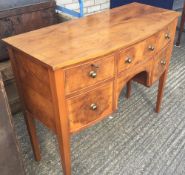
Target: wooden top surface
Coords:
[[79, 40]]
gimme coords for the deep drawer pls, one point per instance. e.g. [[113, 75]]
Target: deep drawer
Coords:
[[90, 107]]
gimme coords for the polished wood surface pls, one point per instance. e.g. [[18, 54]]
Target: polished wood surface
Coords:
[[137, 53], [57, 79], [89, 73], [35, 88], [71, 86], [83, 43], [91, 106], [160, 63]]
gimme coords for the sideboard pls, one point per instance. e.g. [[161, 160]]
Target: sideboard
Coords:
[[70, 75]]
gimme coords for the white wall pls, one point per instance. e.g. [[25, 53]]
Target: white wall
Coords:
[[90, 6]]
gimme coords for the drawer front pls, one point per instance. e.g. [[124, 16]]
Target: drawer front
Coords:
[[137, 53], [165, 36], [89, 107], [150, 46], [160, 63], [89, 74]]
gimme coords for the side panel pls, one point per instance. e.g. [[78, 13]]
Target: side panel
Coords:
[[33, 80]]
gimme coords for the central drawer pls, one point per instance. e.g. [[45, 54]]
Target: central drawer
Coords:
[[87, 108], [89, 73], [138, 53]]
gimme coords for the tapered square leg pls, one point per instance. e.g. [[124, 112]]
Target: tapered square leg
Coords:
[[61, 119], [64, 146], [33, 136], [161, 86]]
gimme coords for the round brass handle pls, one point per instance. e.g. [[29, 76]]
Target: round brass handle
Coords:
[[128, 60], [92, 74], [151, 47], [167, 36], [163, 62], [93, 106]]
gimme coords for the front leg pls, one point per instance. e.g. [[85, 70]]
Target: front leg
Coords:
[[57, 80], [30, 123], [64, 146], [161, 86]]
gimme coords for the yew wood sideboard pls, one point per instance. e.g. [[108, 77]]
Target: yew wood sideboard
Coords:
[[70, 75]]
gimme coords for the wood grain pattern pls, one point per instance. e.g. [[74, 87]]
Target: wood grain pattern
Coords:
[[73, 86], [137, 53], [163, 78], [160, 63], [98, 37], [61, 118], [163, 39], [80, 108], [30, 125], [103, 68], [33, 75], [35, 88]]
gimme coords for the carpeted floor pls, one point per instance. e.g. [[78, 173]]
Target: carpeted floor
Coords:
[[134, 141]]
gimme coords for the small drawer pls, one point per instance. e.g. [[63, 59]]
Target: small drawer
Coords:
[[165, 36], [150, 47], [88, 74], [160, 63], [137, 53], [129, 57], [90, 107]]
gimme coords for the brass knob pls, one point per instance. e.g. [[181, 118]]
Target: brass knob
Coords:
[[92, 74], [93, 106], [151, 47], [167, 36], [128, 60], [163, 62]]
